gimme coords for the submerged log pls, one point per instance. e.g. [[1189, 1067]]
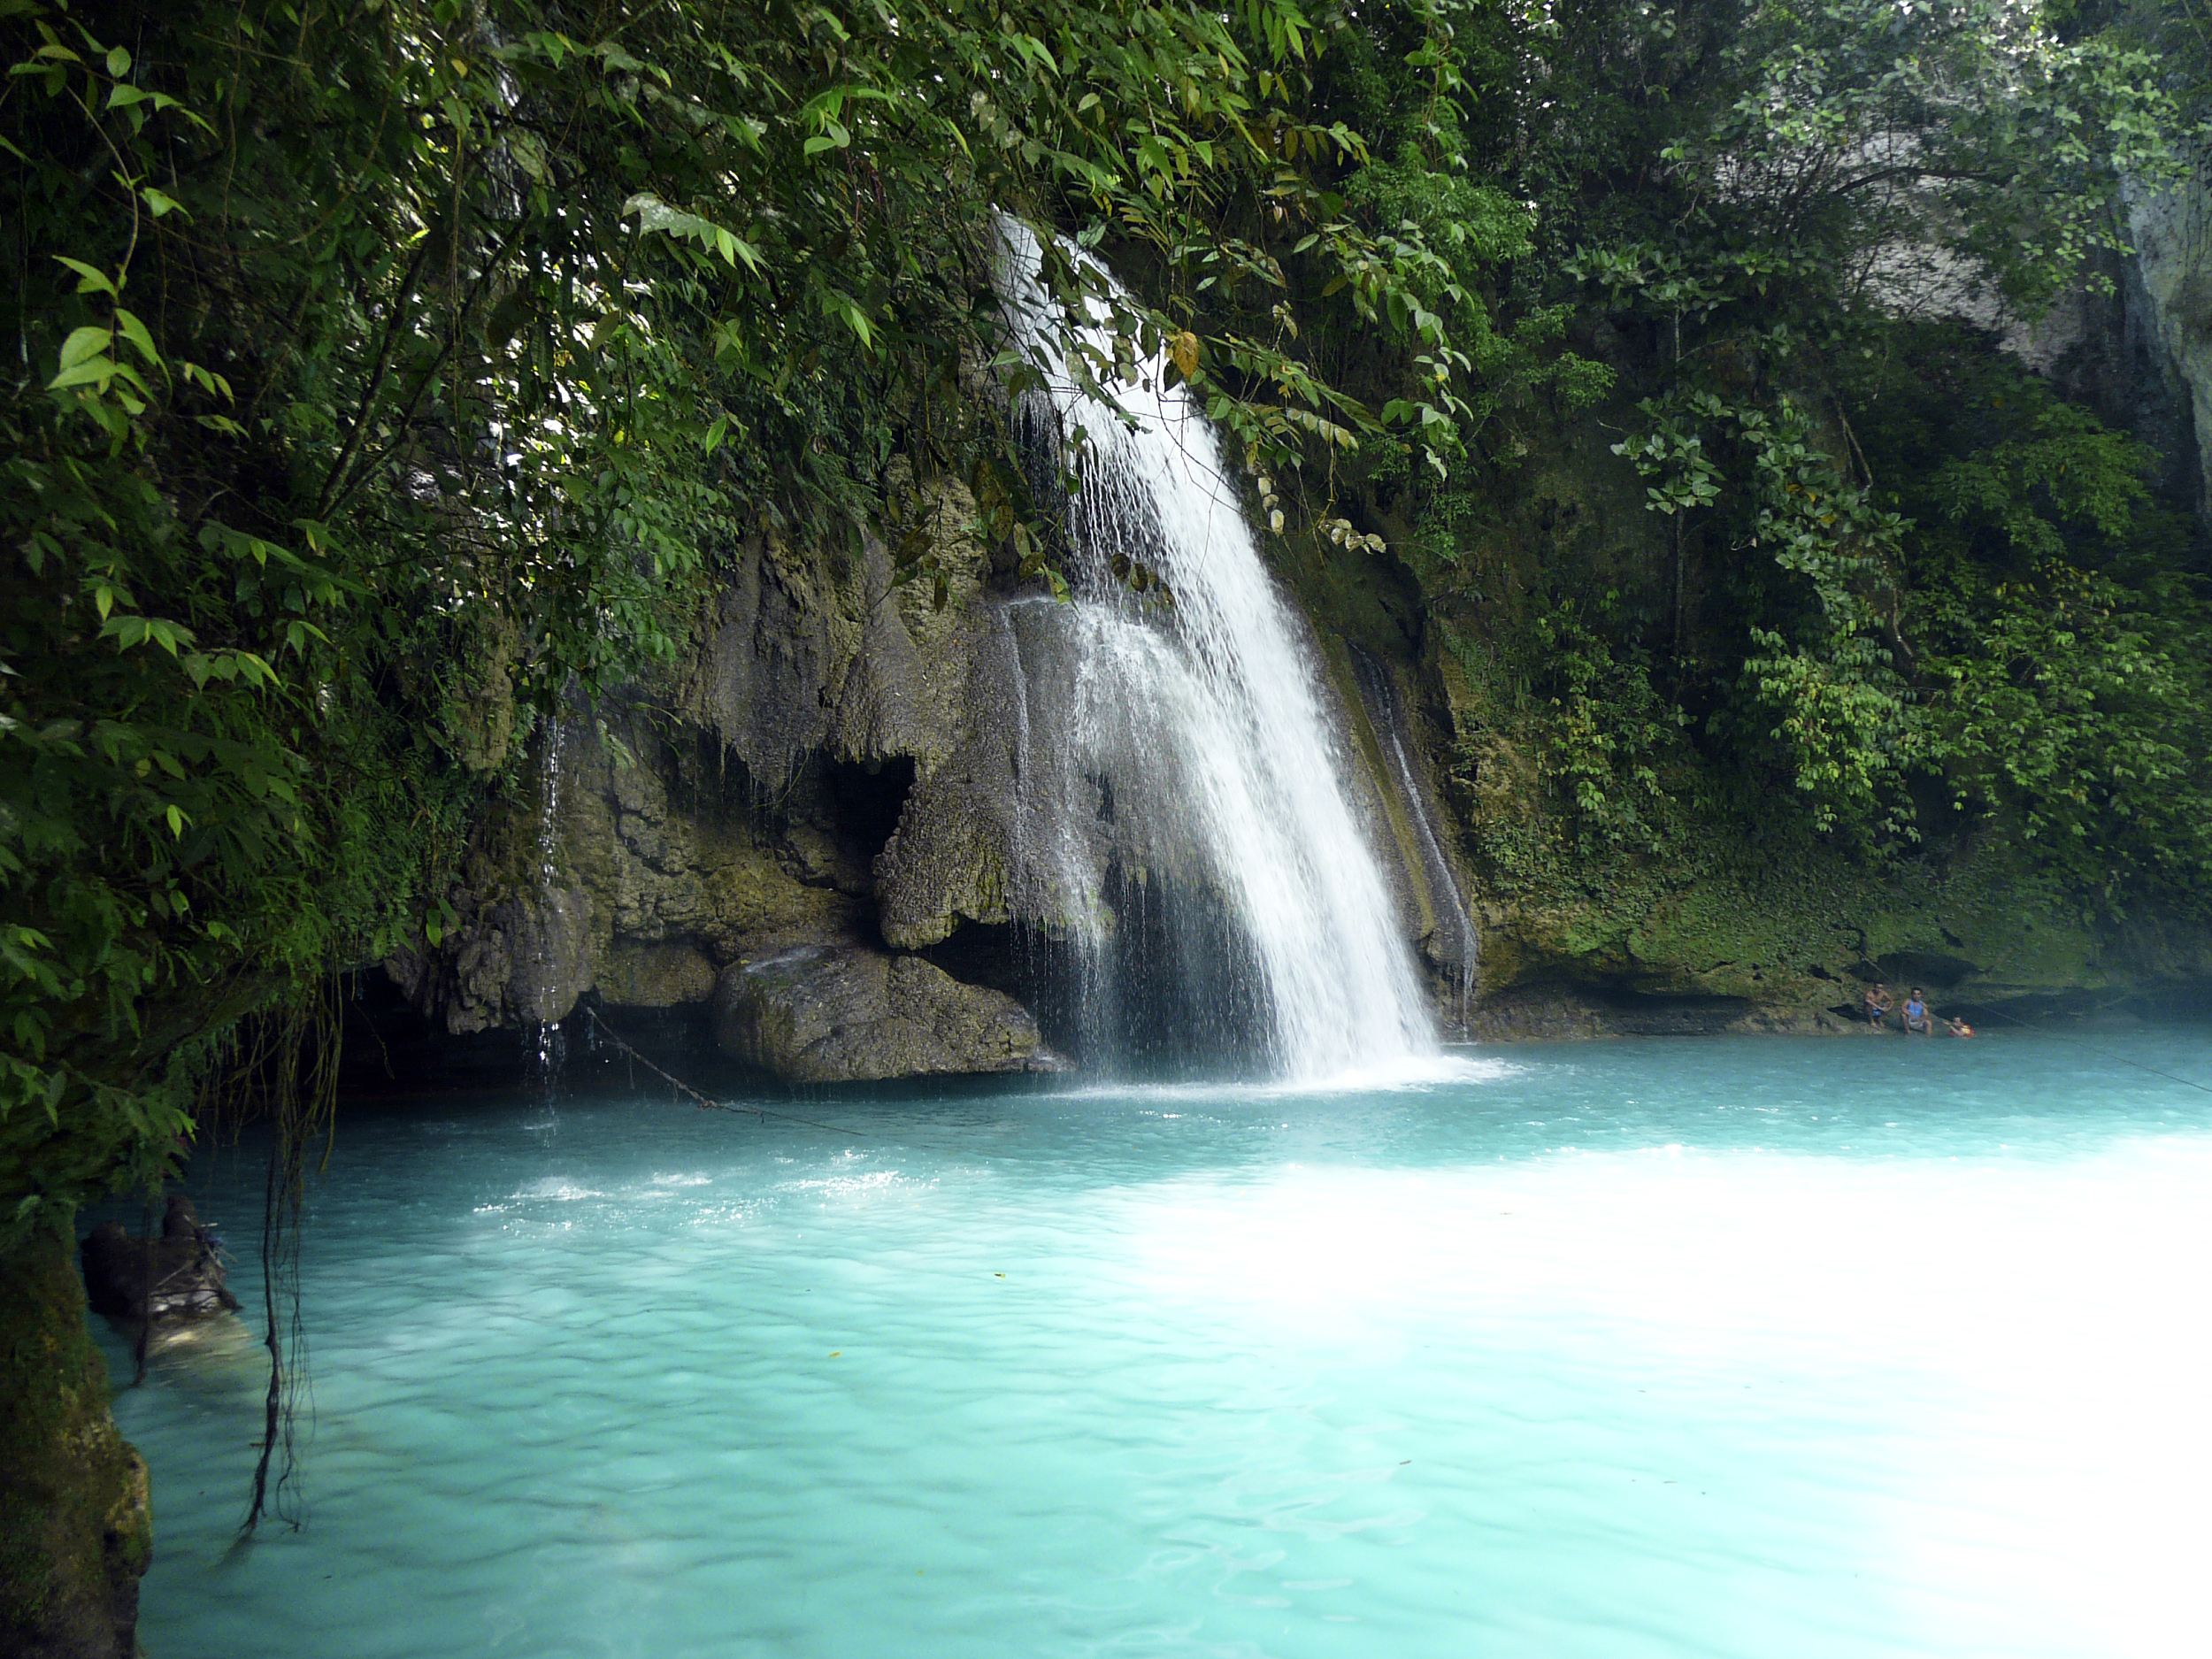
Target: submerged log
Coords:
[[178, 1275]]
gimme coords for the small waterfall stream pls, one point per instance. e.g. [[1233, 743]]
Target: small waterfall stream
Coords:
[[1182, 798], [1456, 944], [549, 1046]]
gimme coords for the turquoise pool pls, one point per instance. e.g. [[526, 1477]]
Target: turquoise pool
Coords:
[[1773, 1348]]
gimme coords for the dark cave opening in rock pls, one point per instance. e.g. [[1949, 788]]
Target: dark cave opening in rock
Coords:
[[869, 797]]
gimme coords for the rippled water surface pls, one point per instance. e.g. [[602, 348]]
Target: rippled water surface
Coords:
[[1779, 1349]]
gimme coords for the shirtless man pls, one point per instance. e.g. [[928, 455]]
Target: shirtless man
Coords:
[[1877, 1001]]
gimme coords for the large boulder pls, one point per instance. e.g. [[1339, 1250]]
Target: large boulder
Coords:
[[851, 1013]]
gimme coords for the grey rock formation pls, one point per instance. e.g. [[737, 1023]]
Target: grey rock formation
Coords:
[[844, 761], [2172, 232], [949, 861], [656, 975], [523, 958], [830, 653], [853, 1014], [1434, 893], [831, 767]]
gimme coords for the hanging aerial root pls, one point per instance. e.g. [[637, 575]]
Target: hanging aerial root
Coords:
[[286, 1070]]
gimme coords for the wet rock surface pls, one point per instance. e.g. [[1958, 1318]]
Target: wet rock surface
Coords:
[[852, 1013], [829, 764], [177, 1274]]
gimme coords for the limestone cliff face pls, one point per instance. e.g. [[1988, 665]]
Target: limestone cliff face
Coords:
[[840, 777], [738, 815], [2170, 281]]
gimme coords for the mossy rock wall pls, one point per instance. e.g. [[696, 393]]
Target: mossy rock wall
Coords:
[[76, 1526]]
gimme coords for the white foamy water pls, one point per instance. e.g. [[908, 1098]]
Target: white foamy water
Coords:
[[1198, 729], [1730, 1350]]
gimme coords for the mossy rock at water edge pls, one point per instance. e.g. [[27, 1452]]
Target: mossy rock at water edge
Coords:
[[76, 1524], [1789, 940]]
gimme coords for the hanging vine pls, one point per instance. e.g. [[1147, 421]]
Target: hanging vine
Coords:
[[280, 1076]]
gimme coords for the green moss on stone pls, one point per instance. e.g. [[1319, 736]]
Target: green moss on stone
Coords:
[[76, 1528]]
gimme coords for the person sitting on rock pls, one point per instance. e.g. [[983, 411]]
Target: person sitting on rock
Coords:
[[1916, 1016], [1877, 1003]]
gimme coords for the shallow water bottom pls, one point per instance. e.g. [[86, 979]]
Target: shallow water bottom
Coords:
[[1771, 1348]]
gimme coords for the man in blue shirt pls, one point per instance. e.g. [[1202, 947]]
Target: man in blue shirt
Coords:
[[1917, 1015]]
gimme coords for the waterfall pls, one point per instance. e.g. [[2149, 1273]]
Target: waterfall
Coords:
[[550, 1049], [1185, 821], [1456, 944]]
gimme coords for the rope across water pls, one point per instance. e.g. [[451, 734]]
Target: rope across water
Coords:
[[707, 1103]]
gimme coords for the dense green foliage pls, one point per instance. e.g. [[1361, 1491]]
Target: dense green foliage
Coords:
[[1887, 575], [386, 370], [389, 371]]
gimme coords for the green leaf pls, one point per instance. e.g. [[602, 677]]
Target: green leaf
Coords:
[[134, 331], [92, 371], [90, 278], [83, 343]]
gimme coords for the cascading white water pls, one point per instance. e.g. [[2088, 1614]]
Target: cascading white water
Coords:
[[1194, 730], [1458, 945], [550, 1049]]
